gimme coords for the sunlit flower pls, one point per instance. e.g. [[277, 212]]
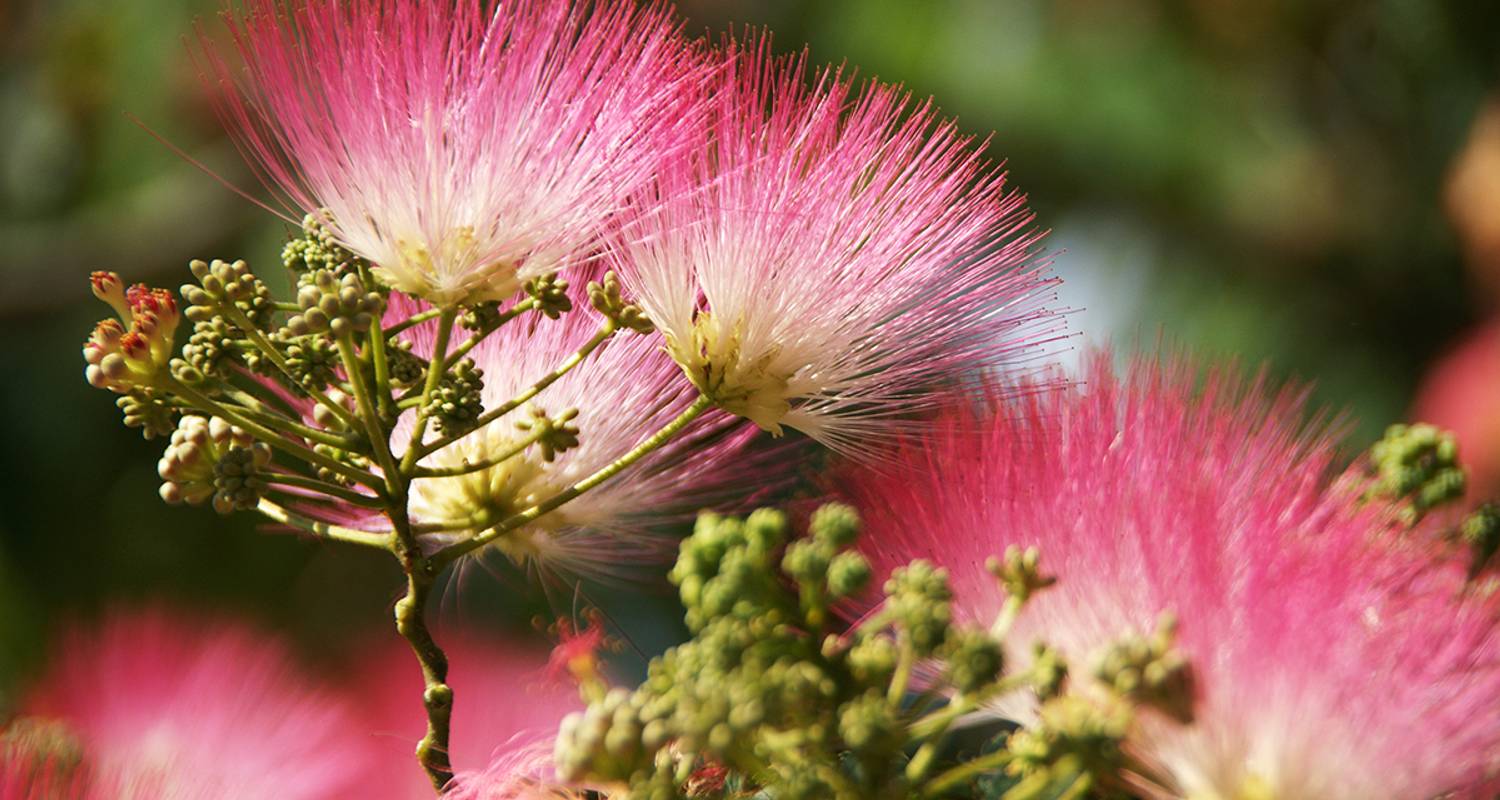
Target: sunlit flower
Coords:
[[160, 708], [1335, 659], [627, 389], [460, 147], [829, 252]]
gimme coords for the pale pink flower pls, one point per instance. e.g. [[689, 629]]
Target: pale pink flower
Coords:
[[1335, 659], [626, 391], [165, 709], [506, 717], [1461, 392], [460, 147], [830, 252]]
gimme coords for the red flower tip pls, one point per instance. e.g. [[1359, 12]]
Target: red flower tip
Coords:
[[577, 650]]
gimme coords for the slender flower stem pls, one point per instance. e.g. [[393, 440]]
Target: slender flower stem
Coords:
[[323, 530], [323, 487], [468, 467], [656, 440], [605, 331], [382, 371], [259, 339], [904, 662], [434, 376], [273, 438], [413, 320], [506, 316], [271, 419], [379, 439], [411, 623], [956, 775]]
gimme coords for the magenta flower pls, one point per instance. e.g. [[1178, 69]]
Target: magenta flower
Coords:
[[157, 707], [1335, 658], [460, 147], [829, 252], [502, 736]]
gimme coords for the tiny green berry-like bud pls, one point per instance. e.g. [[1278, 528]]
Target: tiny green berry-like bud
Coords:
[[835, 523], [918, 597], [1481, 532], [1417, 464], [458, 401], [334, 305], [209, 459], [974, 660], [848, 574], [606, 299], [406, 369], [316, 249], [480, 316], [553, 435], [1020, 573], [1150, 671], [145, 410], [551, 295]]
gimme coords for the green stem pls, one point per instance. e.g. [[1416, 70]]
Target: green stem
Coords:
[[656, 440], [271, 419], [323, 487], [954, 776], [437, 695], [382, 371], [414, 319], [379, 439], [605, 331], [506, 316], [269, 349], [468, 468], [324, 530], [270, 437], [434, 377], [905, 660]]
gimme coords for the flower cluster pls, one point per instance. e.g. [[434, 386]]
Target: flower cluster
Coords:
[[1334, 654], [558, 269]]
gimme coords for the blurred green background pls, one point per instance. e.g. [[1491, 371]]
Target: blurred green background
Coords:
[[1306, 182]]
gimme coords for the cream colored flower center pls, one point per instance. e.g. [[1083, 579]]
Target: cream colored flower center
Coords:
[[486, 497], [751, 385]]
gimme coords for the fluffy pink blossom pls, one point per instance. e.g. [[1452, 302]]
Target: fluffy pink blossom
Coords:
[[829, 252], [1335, 659], [626, 391], [161, 708], [504, 724], [460, 147]]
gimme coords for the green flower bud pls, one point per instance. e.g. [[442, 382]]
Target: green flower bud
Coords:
[[835, 523], [459, 399], [974, 660]]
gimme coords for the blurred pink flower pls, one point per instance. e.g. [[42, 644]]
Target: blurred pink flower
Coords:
[[165, 708], [460, 147], [829, 252], [1462, 393], [1334, 658], [505, 719]]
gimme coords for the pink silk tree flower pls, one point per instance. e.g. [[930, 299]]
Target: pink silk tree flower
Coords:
[[1334, 657], [612, 528], [830, 252], [159, 707], [502, 729], [461, 148]]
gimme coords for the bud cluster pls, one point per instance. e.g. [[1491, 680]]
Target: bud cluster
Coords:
[[1417, 464], [129, 352], [335, 305], [210, 460], [766, 694]]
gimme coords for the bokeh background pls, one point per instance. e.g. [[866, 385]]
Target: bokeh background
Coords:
[[1310, 183]]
